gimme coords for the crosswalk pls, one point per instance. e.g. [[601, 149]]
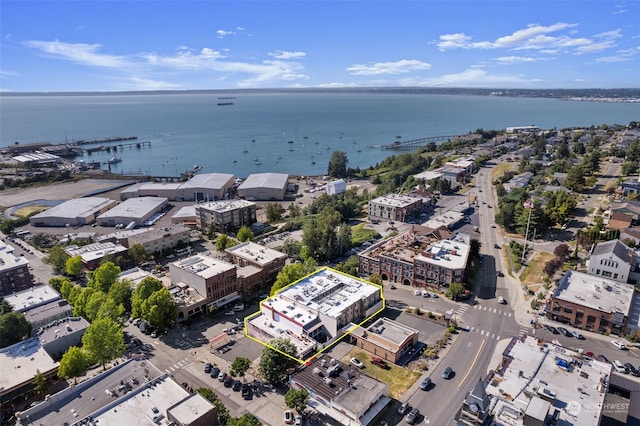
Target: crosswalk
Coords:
[[490, 335], [182, 343], [463, 308], [178, 365]]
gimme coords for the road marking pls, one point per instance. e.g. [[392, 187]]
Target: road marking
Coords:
[[482, 333], [498, 338], [493, 335], [472, 364]]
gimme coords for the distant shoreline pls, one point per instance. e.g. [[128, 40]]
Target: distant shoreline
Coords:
[[582, 95]]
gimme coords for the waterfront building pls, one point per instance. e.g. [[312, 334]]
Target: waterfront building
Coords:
[[394, 207], [264, 187], [201, 187], [77, 211], [134, 210]]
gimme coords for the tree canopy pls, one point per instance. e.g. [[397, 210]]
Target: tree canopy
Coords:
[[142, 292], [338, 164], [103, 340], [160, 309], [293, 272], [274, 364], [296, 399], [240, 365], [104, 276], [74, 363], [14, 327]]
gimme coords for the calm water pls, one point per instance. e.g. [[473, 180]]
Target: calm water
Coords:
[[285, 133]]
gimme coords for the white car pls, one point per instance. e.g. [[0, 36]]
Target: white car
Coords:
[[618, 344], [356, 362], [417, 292], [230, 313], [288, 417]]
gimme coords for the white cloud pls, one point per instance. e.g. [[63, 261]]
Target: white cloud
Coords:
[[283, 54], [4, 73], [475, 78], [380, 68], [522, 37], [140, 83], [620, 56], [224, 33], [515, 59], [80, 53]]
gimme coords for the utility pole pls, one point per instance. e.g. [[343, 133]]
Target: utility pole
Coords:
[[527, 205]]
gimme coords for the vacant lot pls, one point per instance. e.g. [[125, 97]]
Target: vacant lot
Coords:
[[533, 273]]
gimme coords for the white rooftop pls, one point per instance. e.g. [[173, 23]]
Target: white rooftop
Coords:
[[94, 251], [265, 180], [325, 291], [137, 207], [19, 362], [8, 260], [208, 180], [429, 174], [255, 253], [448, 254], [595, 292], [76, 207], [35, 296], [395, 200], [204, 266], [225, 205], [445, 219], [534, 373]]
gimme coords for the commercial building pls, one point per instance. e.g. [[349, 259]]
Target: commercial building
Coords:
[[190, 302], [540, 383], [137, 210], [394, 207], [336, 187], [212, 278], [316, 310], [48, 313], [134, 392], [591, 303], [159, 240], [418, 258], [261, 263], [185, 216], [342, 392], [225, 216], [386, 339], [59, 335], [264, 187], [77, 211], [34, 297], [93, 254], [201, 187], [14, 271]]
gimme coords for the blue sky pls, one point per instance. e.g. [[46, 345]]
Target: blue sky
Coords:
[[180, 45]]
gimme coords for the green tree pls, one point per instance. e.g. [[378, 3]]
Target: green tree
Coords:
[[112, 310], [120, 292], [240, 365], [350, 266], [95, 302], [81, 301], [245, 234], [223, 241], [104, 276], [223, 412], [245, 420], [5, 307], [375, 278], [274, 364], [40, 383], [138, 253], [293, 272], [103, 340], [74, 266], [57, 282], [575, 179], [274, 212], [338, 164], [14, 327], [74, 363], [296, 399], [142, 292], [455, 290], [160, 309], [57, 258], [294, 210], [65, 288]]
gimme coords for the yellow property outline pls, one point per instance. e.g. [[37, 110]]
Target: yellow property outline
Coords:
[[308, 360]]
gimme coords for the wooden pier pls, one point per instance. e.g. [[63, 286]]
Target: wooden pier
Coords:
[[120, 146], [415, 144]]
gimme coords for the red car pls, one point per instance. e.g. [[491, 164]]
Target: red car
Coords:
[[589, 354], [379, 362]]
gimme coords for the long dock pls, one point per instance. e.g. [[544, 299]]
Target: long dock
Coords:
[[104, 140], [116, 146], [415, 144]]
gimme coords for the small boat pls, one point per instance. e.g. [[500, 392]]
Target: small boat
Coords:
[[245, 151], [313, 162], [197, 167], [258, 162], [290, 142], [224, 103], [114, 160]]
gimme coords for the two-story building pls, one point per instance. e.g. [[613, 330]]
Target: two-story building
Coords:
[[611, 259], [394, 207], [258, 266]]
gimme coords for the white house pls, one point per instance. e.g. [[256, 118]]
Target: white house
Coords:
[[611, 259]]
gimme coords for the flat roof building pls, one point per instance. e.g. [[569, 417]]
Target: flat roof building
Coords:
[[591, 303], [77, 211], [157, 240], [314, 311], [264, 187], [137, 210], [93, 254], [201, 187], [14, 271], [26, 300], [259, 262], [386, 338], [225, 215], [394, 207]]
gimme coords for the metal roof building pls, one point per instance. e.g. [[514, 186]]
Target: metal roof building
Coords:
[[264, 186], [204, 187], [136, 210], [77, 211]]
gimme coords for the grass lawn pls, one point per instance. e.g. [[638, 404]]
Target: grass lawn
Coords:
[[500, 169], [533, 273], [400, 379], [30, 210], [359, 234]]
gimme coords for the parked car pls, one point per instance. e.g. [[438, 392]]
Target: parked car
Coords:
[[589, 354], [221, 376], [392, 287], [246, 391], [425, 293], [500, 274], [577, 334], [288, 417], [412, 417], [426, 383], [447, 373], [603, 358], [214, 372], [356, 362], [618, 344], [502, 300], [417, 292], [228, 382], [379, 362], [619, 367], [434, 295], [230, 313], [497, 246], [298, 420], [631, 369], [564, 331], [208, 367], [403, 408], [552, 329], [237, 385]]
